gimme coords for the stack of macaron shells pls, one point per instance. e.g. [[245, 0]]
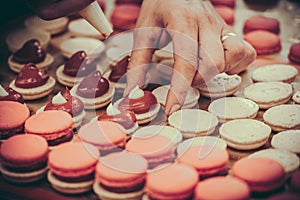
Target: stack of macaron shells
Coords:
[[268, 94], [24, 158], [156, 143], [72, 167], [12, 118], [264, 42], [222, 187], [191, 99], [120, 175], [161, 182], [289, 161], [60, 131], [283, 117], [225, 9], [229, 108], [245, 134], [261, 174], [124, 16], [221, 85], [287, 140], [275, 72], [294, 53], [208, 160], [202, 122], [107, 136]]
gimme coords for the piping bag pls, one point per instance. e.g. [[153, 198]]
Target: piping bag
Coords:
[[95, 16]]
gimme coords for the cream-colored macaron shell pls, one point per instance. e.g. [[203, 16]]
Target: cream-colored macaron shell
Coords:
[[190, 101], [229, 108], [268, 94], [287, 140], [283, 117], [288, 160], [275, 72], [221, 85], [296, 97], [245, 134], [193, 122]]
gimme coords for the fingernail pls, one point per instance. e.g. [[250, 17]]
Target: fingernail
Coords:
[[174, 108]]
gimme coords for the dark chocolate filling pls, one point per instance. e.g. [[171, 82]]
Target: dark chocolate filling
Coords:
[[65, 138], [20, 169], [124, 189], [88, 177], [12, 96], [6, 133]]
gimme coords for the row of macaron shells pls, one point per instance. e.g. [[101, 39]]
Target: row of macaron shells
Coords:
[[68, 174]]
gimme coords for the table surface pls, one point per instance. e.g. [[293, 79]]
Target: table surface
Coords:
[[287, 12]]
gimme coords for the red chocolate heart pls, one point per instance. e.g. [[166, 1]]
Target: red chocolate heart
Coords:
[[31, 51], [12, 96], [79, 65], [93, 85], [119, 70], [30, 77]]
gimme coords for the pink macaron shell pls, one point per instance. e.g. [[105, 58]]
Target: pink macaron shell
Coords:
[[261, 174], [104, 135], [264, 42], [226, 13], [121, 169], [124, 16], [73, 159], [24, 150], [260, 22], [155, 148], [49, 121], [206, 159], [13, 114], [229, 3], [222, 187], [294, 53], [171, 181]]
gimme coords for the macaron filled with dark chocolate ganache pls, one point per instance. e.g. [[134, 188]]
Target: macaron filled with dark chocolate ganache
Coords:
[[30, 52], [75, 69], [32, 82], [10, 95], [94, 91]]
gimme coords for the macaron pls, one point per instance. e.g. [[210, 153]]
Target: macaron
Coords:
[[295, 181], [229, 3], [275, 72], [261, 174], [171, 181], [226, 13], [191, 99], [124, 16], [229, 108], [264, 42], [260, 22], [222, 187], [155, 143], [12, 118], [209, 160], [193, 122], [33, 83], [143, 103], [220, 85], [107, 136], [268, 94], [245, 134], [283, 117], [296, 97], [289, 161], [24, 158], [287, 140], [200, 141], [120, 175], [95, 91], [72, 167], [294, 53], [60, 131]]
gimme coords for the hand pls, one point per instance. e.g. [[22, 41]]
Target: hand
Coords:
[[52, 9], [203, 45]]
